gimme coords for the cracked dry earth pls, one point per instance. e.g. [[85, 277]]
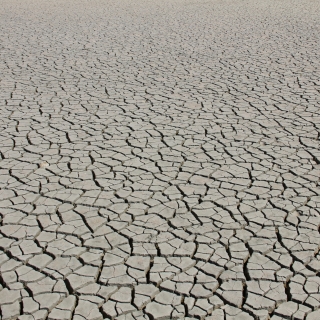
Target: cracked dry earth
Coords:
[[160, 159]]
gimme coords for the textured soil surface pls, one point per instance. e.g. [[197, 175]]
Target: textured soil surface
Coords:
[[159, 159]]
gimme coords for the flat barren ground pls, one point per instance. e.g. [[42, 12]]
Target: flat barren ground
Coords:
[[159, 159]]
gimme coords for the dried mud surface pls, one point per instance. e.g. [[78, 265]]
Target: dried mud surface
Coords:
[[159, 159]]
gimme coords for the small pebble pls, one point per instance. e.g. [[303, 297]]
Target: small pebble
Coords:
[[44, 164]]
